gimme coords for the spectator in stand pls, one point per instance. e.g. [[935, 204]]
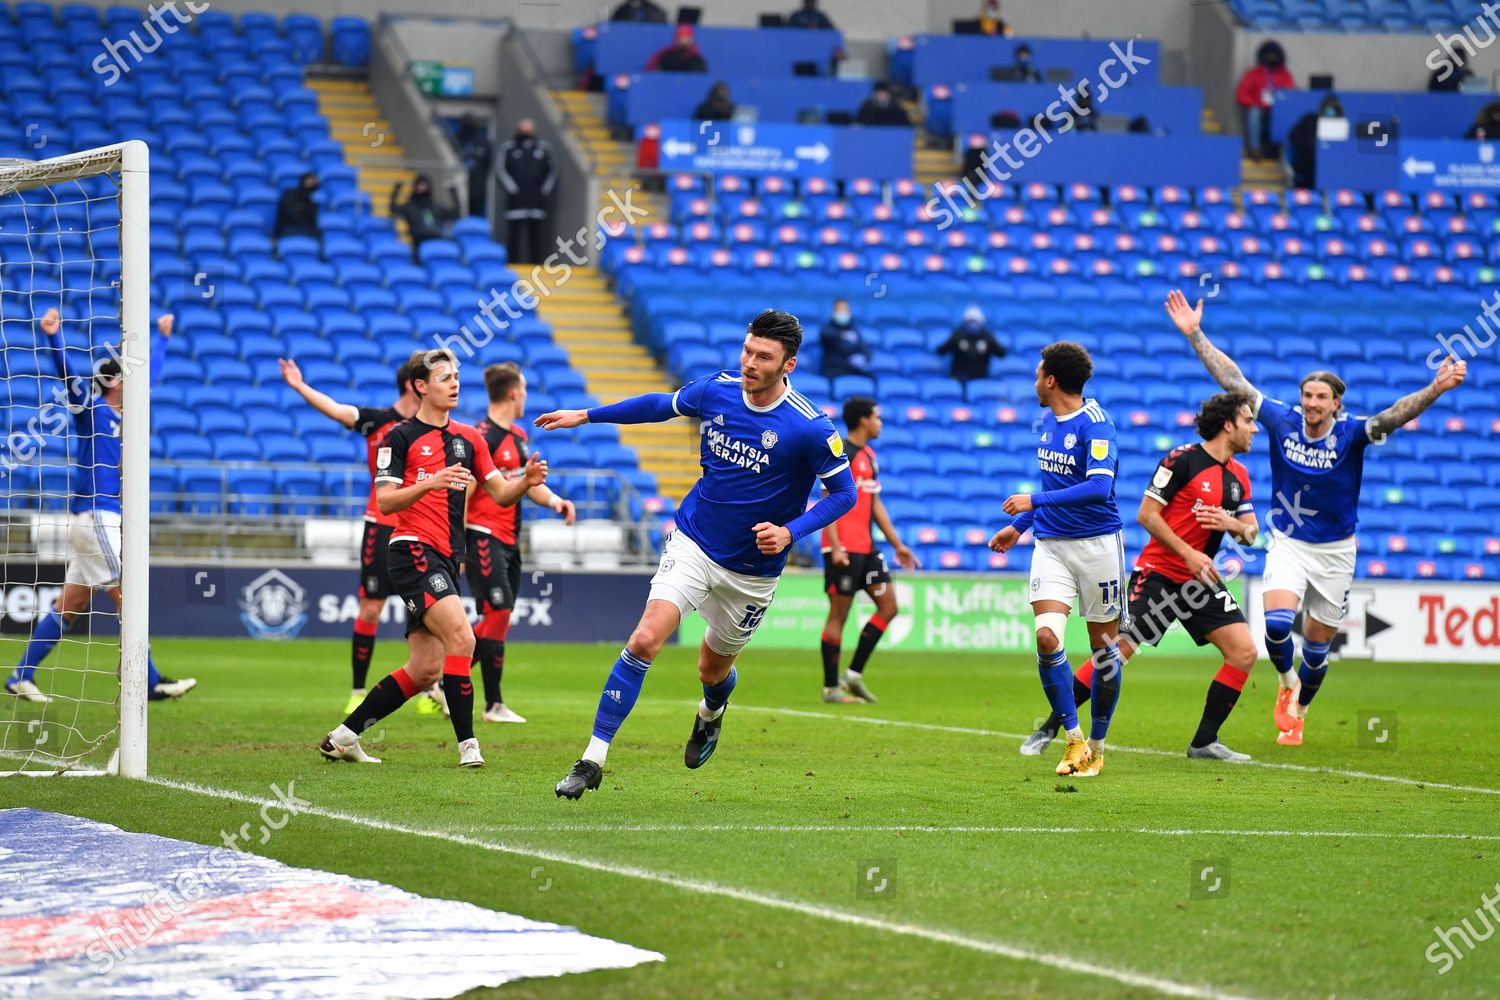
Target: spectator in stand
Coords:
[[843, 348], [1255, 95], [990, 21], [809, 17], [1486, 127], [526, 171], [682, 56], [972, 345], [473, 139], [880, 108], [1303, 142], [717, 106], [425, 218], [1024, 69], [639, 12], [1450, 79], [296, 212]]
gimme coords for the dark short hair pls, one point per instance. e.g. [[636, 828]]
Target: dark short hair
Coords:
[[1217, 411], [500, 379], [1334, 382], [856, 409], [1069, 363], [773, 324], [422, 364], [106, 375]]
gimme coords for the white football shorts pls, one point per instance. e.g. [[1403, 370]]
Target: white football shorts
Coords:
[[1087, 574], [1319, 573], [94, 536], [731, 604]]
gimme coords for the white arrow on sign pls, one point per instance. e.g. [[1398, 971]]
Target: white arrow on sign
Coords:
[[817, 153], [676, 147], [1414, 166]]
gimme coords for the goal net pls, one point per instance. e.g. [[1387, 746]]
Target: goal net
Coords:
[[74, 302]]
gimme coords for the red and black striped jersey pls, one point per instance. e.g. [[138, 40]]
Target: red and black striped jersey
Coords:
[[854, 527], [371, 423], [411, 452], [1187, 479], [509, 450]]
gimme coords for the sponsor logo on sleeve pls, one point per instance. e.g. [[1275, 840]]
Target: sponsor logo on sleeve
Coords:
[[1098, 450], [836, 445]]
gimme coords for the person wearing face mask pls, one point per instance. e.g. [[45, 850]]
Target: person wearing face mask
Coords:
[[972, 346], [1303, 142], [425, 218], [880, 108], [844, 351], [717, 106], [526, 171], [1256, 94], [296, 212], [1024, 69], [990, 21]]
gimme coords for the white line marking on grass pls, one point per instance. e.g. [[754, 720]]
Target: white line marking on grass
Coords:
[[1152, 751], [922, 828], [1017, 953]]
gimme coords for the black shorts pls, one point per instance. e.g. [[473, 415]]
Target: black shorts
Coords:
[[865, 570], [494, 571], [1155, 602], [421, 576], [374, 579]]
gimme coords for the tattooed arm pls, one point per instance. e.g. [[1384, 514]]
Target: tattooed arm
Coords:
[[1219, 364], [1450, 375]]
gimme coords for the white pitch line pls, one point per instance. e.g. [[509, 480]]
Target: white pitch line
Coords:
[[1152, 751], [923, 828], [1021, 954]]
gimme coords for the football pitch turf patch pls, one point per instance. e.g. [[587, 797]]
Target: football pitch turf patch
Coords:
[[916, 855]]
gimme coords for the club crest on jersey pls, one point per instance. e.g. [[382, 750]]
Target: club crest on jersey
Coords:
[[383, 458], [437, 583], [836, 444], [458, 449], [1070, 441], [768, 440], [1234, 492], [1098, 450]]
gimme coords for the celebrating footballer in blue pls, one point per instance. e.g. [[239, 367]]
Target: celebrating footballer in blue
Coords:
[[763, 447]]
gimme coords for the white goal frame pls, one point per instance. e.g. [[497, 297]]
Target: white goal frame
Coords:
[[131, 161]]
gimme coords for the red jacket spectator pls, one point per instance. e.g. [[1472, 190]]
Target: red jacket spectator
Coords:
[[682, 56], [1254, 90]]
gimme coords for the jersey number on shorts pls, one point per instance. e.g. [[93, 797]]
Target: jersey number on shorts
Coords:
[[752, 618], [1110, 592]]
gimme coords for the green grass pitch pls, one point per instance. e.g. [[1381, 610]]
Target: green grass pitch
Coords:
[[1001, 880]]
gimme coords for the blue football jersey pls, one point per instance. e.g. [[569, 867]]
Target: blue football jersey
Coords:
[[759, 464], [1073, 448], [1314, 481], [95, 478]]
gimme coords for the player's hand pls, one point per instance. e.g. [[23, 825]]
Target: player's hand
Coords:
[[1187, 319], [906, 558], [561, 420], [1202, 568], [566, 509], [1216, 519], [290, 373], [1004, 539], [535, 472], [770, 538], [454, 477], [840, 556], [164, 325], [1020, 503], [50, 322], [1451, 374]]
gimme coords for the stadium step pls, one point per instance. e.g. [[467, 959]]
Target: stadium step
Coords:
[[370, 142], [933, 165]]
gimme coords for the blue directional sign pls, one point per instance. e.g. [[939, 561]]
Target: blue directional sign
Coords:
[[764, 149], [1449, 165]]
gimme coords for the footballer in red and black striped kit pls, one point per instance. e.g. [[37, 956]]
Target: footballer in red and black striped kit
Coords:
[[1198, 494], [371, 423], [424, 467], [494, 561]]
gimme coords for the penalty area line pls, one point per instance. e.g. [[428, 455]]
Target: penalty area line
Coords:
[[1017, 953], [1151, 751], [925, 828]]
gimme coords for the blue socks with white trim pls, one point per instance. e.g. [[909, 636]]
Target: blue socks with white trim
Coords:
[[1314, 668], [44, 638], [1279, 644], [1057, 682], [619, 697]]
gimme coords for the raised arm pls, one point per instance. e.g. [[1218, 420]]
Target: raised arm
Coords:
[[1219, 365], [159, 344], [1450, 375], [343, 413], [652, 408]]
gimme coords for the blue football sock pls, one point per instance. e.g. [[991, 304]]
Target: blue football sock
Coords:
[[1057, 682], [44, 638], [716, 696], [152, 674], [1279, 645], [1105, 689], [1314, 668], [620, 693]]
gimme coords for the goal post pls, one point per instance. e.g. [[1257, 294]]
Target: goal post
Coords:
[[61, 219]]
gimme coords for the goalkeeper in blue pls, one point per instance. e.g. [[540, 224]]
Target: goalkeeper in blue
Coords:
[[764, 446], [94, 507], [1079, 558]]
